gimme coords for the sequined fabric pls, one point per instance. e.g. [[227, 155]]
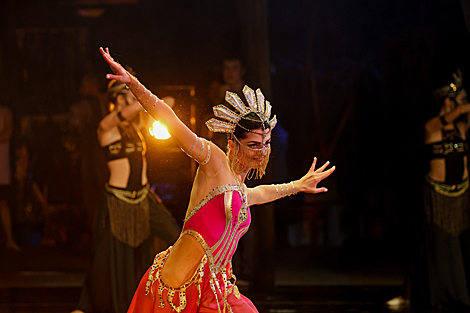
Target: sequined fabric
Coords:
[[217, 223]]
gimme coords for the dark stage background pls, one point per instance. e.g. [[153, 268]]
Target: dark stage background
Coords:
[[350, 82]]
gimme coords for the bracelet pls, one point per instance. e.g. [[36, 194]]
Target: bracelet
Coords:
[[138, 85], [194, 145], [287, 190], [153, 106], [277, 192], [443, 120], [150, 96], [293, 188], [120, 117], [282, 191], [206, 160], [143, 93], [202, 150]]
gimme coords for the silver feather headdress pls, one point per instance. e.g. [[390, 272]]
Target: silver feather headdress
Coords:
[[256, 104]]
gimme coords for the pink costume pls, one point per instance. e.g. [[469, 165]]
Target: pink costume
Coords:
[[217, 222]]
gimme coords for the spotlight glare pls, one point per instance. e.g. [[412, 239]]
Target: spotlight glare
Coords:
[[159, 131]]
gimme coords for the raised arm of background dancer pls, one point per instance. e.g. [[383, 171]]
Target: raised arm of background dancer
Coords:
[[157, 108], [308, 183], [436, 123], [112, 119]]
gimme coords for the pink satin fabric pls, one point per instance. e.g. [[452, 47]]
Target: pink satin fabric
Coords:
[[221, 233]]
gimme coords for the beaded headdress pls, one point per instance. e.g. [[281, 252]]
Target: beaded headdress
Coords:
[[256, 104], [452, 89]]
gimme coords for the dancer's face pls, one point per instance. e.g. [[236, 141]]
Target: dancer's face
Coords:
[[256, 146]]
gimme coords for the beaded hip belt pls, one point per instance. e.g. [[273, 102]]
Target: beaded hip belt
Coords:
[[446, 189], [132, 197]]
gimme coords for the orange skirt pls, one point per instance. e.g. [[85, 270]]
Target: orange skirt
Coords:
[[195, 296]]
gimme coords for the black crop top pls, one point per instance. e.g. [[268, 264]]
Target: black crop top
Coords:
[[452, 148], [131, 146]]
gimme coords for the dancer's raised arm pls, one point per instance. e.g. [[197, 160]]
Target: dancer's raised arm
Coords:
[[159, 110]]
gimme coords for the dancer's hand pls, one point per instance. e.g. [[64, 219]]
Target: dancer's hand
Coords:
[[120, 73], [313, 177]]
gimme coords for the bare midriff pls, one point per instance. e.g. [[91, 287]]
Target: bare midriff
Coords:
[[182, 262], [437, 169], [119, 172]]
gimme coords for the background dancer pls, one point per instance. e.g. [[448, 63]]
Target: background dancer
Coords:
[[130, 214]]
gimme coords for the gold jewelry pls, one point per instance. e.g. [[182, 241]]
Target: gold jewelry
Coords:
[[453, 88], [132, 197], [293, 188]]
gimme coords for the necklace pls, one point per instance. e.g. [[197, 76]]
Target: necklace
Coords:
[[243, 213]]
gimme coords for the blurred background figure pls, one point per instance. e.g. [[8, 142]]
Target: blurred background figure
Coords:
[[234, 70], [131, 224], [233, 73], [446, 198], [6, 129], [85, 116]]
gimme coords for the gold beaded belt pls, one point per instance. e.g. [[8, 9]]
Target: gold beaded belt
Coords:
[[446, 189], [132, 197]]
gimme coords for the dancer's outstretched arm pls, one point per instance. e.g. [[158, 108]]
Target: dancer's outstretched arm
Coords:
[[159, 110], [267, 193]]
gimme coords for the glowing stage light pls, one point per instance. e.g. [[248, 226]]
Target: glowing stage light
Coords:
[[159, 131]]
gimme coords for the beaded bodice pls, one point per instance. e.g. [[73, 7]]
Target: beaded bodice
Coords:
[[218, 222]]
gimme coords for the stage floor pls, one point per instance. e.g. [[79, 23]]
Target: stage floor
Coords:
[[49, 280]]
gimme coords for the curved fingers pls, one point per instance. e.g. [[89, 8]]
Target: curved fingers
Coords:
[[312, 168], [320, 169], [322, 189]]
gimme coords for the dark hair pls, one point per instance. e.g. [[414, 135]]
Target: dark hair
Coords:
[[251, 122], [235, 57], [115, 89]]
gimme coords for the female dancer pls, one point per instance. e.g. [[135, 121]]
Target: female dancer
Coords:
[[446, 197], [195, 275], [130, 214]]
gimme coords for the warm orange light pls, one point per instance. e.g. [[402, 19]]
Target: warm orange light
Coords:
[[159, 131]]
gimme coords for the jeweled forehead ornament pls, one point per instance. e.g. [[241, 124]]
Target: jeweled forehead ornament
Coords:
[[256, 104], [452, 89]]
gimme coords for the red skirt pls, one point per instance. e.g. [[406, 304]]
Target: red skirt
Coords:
[[200, 294]]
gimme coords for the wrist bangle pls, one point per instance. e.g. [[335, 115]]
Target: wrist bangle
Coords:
[[293, 187], [143, 93], [443, 120], [145, 103], [153, 105], [120, 117], [138, 85]]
